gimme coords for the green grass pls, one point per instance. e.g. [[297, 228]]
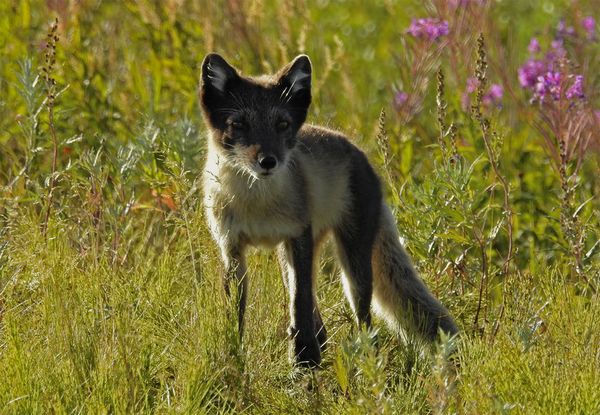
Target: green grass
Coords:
[[114, 304]]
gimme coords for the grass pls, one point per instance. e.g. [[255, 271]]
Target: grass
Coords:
[[110, 291]]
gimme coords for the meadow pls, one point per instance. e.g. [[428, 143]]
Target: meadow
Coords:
[[482, 117]]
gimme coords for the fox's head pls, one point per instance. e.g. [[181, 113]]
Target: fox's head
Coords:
[[254, 121]]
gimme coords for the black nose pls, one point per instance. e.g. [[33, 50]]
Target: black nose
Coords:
[[267, 162]]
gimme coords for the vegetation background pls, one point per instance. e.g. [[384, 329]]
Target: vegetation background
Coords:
[[110, 298]]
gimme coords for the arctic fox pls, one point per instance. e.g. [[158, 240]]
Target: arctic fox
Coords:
[[272, 180]]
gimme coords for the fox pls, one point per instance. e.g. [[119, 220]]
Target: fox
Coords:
[[272, 180]]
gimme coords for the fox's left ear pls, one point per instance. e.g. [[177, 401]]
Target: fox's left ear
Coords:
[[295, 78]]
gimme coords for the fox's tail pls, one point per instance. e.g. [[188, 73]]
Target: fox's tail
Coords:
[[399, 295]]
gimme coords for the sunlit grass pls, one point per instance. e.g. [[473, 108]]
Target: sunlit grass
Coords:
[[110, 291]]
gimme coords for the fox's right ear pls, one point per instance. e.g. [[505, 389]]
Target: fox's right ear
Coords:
[[218, 77], [217, 73]]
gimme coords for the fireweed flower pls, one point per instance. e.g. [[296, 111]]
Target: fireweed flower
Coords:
[[576, 90], [534, 46], [563, 30], [545, 77], [472, 84], [494, 95], [428, 28], [400, 99], [589, 25], [552, 84], [548, 84], [557, 45], [530, 71], [556, 53]]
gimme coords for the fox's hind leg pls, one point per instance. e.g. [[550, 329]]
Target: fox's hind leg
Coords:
[[354, 244], [355, 237], [357, 274]]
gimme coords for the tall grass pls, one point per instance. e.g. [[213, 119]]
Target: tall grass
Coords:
[[110, 292]]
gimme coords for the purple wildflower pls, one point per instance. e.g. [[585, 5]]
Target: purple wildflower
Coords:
[[548, 84], [530, 71], [556, 54], [472, 84], [534, 46], [563, 30], [557, 44], [576, 90], [589, 25], [400, 98], [494, 95], [558, 49], [429, 28]]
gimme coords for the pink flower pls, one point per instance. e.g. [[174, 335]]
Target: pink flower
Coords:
[[563, 30], [576, 90], [548, 84], [534, 46], [429, 28], [530, 71], [472, 84], [589, 25], [400, 99], [555, 55], [494, 95]]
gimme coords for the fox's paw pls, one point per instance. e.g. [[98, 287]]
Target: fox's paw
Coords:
[[304, 349]]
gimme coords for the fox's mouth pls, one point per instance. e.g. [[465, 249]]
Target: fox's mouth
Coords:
[[260, 175]]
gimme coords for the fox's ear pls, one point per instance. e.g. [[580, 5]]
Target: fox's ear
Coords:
[[295, 78], [217, 78], [216, 73]]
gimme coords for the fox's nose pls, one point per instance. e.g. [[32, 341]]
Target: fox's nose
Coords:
[[267, 162]]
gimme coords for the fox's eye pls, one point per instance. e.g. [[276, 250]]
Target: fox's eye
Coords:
[[238, 125], [282, 125]]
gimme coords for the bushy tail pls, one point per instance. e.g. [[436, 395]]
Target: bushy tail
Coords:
[[399, 295]]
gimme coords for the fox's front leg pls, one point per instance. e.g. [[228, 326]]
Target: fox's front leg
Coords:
[[298, 254], [235, 283]]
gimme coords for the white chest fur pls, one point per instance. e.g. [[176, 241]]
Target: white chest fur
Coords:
[[242, 209]]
